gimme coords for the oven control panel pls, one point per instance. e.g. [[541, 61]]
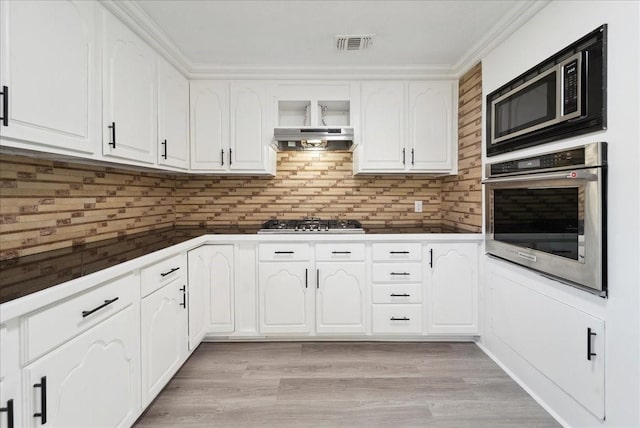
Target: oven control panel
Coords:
[[562, 159]]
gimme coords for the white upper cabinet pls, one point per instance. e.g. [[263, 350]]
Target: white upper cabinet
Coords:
[[50, 67], [408, 127], [209, 125], [432, 126], [129, 119], [381, 146], [173, 116]]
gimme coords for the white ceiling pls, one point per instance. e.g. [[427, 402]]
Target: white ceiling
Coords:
[[287, 34]]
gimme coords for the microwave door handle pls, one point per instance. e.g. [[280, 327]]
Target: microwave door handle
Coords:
[[565, 175]]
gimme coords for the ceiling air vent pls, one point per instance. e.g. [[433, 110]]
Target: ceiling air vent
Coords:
[[354, 43]]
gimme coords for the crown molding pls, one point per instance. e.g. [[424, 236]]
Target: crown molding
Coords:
[[506, 26], [136, 18]]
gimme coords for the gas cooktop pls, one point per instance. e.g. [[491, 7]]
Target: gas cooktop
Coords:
[[311, 225]]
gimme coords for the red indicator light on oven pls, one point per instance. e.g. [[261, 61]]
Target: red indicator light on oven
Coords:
[[573, 174]]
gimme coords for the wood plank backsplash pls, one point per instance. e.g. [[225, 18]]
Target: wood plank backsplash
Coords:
[[47, 205], [462, 194]]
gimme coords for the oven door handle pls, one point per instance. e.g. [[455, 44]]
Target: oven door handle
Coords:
[[579, 174]]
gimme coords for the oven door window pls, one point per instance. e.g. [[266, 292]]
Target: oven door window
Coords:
[[527, 108], [544, 219]]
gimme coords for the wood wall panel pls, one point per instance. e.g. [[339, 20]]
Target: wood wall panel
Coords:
[[462, 194]]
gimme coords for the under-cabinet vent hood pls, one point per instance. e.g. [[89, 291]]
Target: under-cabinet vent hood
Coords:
[[323, 138]]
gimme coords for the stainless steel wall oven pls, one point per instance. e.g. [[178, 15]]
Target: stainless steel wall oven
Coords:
[[548, 213]]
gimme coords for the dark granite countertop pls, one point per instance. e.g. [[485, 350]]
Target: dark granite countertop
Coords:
[[28, 274]]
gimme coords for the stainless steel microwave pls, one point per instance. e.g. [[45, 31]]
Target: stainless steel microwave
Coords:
[[561, 97], [548, 213]]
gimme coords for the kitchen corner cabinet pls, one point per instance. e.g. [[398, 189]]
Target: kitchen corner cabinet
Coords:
[[130, 117], [452, 288], [11, 398], [49, 64], [173, 117], [407, 127]]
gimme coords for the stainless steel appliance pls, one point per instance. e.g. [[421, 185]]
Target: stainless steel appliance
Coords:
[[561, 97], [311, 225], [548, 213], [307, 138]]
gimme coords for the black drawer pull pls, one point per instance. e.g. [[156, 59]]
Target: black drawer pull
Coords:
[[400, 273], [5, 107], [283, 252], [106, 303], [400, 319], [306, 278], [164, 143], [43, 400], [184, 296], [9, 410], [589, 353], [169, 272], [431, 257], [341, 252], [112, 127], [400, 295], [398, 252]]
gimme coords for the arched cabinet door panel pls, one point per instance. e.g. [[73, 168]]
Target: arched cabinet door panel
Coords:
[[340, 297]]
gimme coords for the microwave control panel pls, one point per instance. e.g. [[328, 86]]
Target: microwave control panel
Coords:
[[570, 87]]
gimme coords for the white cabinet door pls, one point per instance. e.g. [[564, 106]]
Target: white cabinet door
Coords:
[[49, 64], [11, 398], [129, 94], [286, 297], [432, 125], [199, 307], [209, 125], [221, 288], [340, 297], [251, 126], [164, 337], [173, 116], [92, 381], [452, 288], [382, 127]]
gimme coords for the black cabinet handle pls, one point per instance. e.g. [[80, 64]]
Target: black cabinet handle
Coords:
[[106, 303], [112, 127], [318, 278], [589, 353], [230, 156], [430, 257], [412, 157], [43, 400], [306, 278], [400, 319], [5, 105], [403, 162], [400, 295], [400, 273], [184, 296], [163, 274], [164, 143], [221, 157], [398, 252], [9, 410], [341, 252], [283, 252]]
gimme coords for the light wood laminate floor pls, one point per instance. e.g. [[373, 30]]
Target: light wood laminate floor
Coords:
[[342, 384]]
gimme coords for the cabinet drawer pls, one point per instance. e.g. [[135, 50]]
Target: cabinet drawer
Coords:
[[160, 274], [284, 251], [411, 251], [408, 293], [339, 252], [397, 272], [59, 322], [401, 319]]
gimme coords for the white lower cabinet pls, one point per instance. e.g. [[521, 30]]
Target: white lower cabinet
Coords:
[[452, 288], [93, 380], [164, 337], [340, 297], [10, 388]]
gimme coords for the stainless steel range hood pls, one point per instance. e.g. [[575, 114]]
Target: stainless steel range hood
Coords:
[[306, 138]]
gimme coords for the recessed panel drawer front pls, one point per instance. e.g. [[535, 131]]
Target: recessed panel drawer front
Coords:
[[286, 251], [408, 293], [397, 319], [339, 252], [159, 274], [60, 321], [397, 272], [411, 251]]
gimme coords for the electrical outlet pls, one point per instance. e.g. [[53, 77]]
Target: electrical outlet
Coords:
[[417, 206]]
